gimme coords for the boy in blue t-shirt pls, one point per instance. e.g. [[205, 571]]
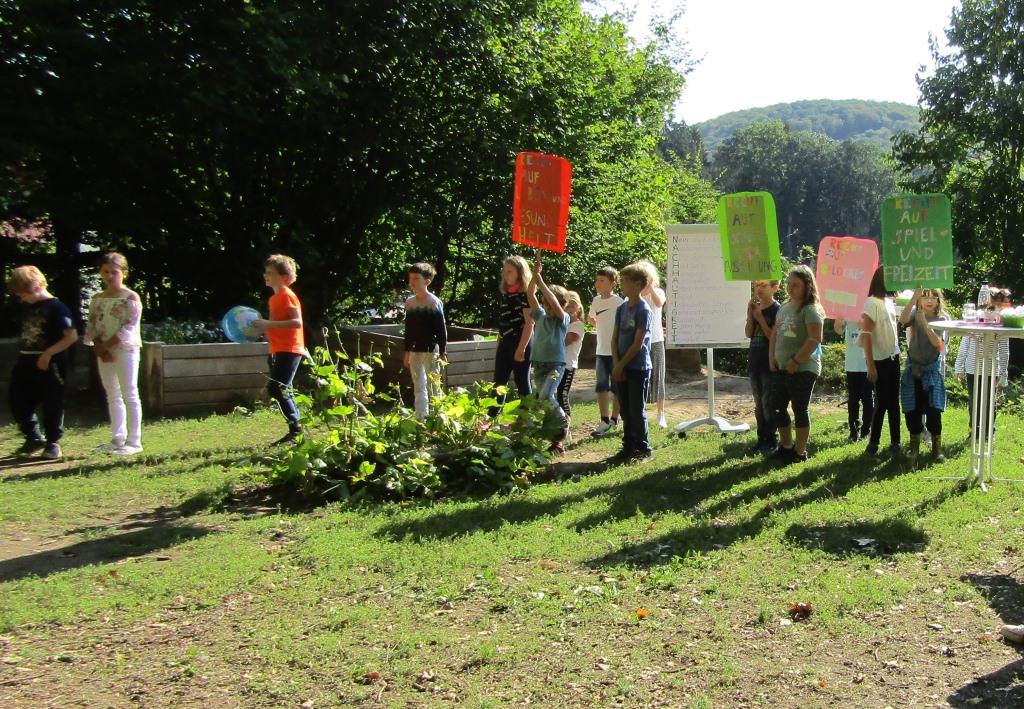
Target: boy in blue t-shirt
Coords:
[[631, 359], [761, 313]]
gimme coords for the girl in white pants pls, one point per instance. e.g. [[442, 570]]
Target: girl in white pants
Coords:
[[113, 330]]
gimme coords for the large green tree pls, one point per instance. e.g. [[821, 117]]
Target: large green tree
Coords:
[[971, 142], [199, 136], [821, 186]]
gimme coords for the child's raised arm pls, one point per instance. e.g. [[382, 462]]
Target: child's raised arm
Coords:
[[911, 304], [554, 308], [531, 290]]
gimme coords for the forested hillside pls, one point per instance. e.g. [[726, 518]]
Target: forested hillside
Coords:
[[862, 121]]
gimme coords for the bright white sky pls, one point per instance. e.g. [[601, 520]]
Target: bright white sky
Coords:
[[761, 52]]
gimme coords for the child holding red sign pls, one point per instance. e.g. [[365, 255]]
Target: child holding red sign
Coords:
[[551, 324]]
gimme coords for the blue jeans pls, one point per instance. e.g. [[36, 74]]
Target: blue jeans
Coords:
[[548, 375], [283, 366], [603, 368], [633, 401]]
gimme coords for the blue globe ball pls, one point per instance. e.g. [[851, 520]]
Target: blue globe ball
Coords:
[[237, 324]]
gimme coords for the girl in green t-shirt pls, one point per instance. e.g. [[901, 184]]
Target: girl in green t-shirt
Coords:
[[795, 360]]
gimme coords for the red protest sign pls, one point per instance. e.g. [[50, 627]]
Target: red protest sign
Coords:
[[845, 267], [540, 205]]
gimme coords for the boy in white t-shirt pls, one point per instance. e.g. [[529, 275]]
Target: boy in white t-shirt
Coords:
[[602, 317]]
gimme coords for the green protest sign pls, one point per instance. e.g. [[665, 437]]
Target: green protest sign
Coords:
[[917, 241], [750, 236]]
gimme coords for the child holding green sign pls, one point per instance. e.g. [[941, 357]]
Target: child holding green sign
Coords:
[[923, 385]]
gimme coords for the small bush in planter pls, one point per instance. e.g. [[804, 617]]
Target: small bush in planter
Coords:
[[363, 442]]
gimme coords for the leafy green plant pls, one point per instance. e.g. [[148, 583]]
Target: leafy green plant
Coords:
[[362, 441]]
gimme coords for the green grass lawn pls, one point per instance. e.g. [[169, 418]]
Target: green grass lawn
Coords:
[[167, 580]]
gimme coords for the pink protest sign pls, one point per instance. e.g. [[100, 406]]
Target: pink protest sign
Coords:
[[845, 267]]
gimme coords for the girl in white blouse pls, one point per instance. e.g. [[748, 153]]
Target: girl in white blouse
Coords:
[[115, 314]]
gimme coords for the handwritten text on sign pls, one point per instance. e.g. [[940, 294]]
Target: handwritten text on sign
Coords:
[[540, 205], [703, 309], [917, 242], [845, 267], [750, 236]]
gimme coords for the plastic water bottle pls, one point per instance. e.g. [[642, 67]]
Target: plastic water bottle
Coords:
[[984, 296]]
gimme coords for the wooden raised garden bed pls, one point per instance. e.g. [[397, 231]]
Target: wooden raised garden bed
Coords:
[[469, 360], [185, 378]]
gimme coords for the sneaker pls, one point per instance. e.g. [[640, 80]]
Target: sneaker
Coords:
[[127, 450], [623, 454], [603, 429], [799, 457], [662, 422], [782, 454], [642, 454], [1013, 633], [894, 451], [52, 451], [30, 447], [288, 439], [871, 450]]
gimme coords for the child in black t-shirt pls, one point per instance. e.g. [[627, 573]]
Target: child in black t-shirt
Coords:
[[761, 312], [47, 331]]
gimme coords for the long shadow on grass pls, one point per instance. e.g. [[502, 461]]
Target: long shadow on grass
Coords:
[[841, 477], [892, 535], [70, 469], [1002, 688], [652, 490], [717, 534], [883, 538], [143, 535], [153, 530]]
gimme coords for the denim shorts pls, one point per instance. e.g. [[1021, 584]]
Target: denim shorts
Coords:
[[604, 365]]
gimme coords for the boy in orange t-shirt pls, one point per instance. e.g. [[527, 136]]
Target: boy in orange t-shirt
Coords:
[[284, 331]]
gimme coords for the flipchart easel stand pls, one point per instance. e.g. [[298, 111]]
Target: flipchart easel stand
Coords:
[[724, 426]]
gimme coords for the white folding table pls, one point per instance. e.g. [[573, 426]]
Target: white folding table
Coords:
[[987, 337]]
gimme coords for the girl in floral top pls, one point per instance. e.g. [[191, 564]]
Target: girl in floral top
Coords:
[[113, 331]]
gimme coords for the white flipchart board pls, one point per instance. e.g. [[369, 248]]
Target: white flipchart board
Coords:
[[703, 310]]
